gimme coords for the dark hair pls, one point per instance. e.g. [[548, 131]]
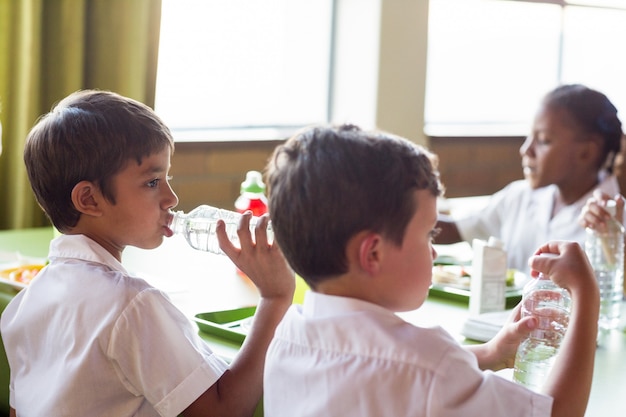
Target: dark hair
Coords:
[[328, 183], [90, 135], [594, 113]]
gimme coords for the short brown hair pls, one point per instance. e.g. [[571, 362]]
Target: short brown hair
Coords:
[[328, 183], [90, 135]]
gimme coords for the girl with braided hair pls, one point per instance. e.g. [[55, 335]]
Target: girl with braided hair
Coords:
[[573, 150]]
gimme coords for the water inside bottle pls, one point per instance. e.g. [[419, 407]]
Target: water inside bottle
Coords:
[[535, 355], [202, 235], [609, 284], [533, 363]]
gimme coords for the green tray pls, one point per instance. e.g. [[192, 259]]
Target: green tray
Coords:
[[226, 324], [513, 295]]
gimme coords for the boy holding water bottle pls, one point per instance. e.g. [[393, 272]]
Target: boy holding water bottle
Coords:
[[86, 338], [355, 213]]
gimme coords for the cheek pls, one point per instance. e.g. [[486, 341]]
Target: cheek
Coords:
[[423, 264]]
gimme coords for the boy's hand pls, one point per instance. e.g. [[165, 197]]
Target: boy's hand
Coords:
[[570, 269], [261, 261], [499, 352]]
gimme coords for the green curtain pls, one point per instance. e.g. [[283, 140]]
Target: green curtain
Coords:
[[50, 48]]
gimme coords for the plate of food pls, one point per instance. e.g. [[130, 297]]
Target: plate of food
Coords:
[[19, 275], [454, 281]]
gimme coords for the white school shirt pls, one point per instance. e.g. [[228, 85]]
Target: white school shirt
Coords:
[[521, 218], [337, 356], [87, 339]]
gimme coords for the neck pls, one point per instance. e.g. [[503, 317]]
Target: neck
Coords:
[[566, 196]]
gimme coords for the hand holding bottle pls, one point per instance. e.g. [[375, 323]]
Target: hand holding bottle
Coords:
[[261, 260], [549, 304], [566, 265], [604, 246], [569, 382], [594, 214], [499, 352]]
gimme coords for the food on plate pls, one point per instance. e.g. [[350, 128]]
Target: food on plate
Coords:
[[23, 274], [459, 275], [451, 274], [510, 277]]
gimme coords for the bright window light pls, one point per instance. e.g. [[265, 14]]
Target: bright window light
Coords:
[[491, 61], [243, 64], [594, 51], [488, 64]]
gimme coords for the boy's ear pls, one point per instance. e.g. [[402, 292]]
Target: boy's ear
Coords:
[[85, 197], [370, 252]]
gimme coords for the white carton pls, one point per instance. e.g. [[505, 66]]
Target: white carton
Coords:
[[488, 283]]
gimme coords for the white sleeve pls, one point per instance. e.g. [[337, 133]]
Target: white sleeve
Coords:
[[465, 391], [489, 220], [158, 354]]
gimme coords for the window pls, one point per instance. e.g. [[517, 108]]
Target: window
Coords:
[[249, 69], [258, 65], [491, 61]]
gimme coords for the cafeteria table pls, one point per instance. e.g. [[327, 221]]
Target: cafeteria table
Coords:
[[198, 282]]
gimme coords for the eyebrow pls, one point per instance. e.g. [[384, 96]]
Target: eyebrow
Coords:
[[155, 169]]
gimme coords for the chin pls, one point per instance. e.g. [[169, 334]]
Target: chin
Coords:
[[153, 244], [533, 182]]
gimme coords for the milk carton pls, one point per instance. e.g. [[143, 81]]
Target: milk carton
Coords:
[[488, 283]]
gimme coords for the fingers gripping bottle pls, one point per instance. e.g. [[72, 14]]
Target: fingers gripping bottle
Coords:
[[199, 227], [252, 195], [252, 198], [605, 250], [550, 304]]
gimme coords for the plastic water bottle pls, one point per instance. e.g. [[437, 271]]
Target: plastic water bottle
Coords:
[[199, 227], [605, 250], [252, 195], [550, 304]]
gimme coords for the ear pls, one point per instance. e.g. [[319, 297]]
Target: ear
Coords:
[[370, 253], [85, 197], [592, 149]]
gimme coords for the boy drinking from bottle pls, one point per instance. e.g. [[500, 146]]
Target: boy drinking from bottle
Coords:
[[86, 338]]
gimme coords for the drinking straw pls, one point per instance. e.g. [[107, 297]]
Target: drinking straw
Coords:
[[609, 254]]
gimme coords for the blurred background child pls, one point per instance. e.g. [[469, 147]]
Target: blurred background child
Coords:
[[573, 149]]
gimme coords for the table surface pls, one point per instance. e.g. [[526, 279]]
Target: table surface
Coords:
[[200, 282]]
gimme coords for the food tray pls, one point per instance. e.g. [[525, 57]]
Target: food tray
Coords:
[[453, 286], [513, 295], [232, 325]]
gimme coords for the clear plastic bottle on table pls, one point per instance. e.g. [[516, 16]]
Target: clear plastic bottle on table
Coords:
[[199, 227], [605, 250], [550, 304]]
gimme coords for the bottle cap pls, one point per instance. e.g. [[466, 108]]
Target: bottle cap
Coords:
[[253, 183], [611, 207]]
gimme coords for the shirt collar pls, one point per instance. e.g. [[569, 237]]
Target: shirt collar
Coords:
[[83, 248], [318, 305]]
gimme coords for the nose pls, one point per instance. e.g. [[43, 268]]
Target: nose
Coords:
[[527, 146], [171, 199], [433, 252]]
